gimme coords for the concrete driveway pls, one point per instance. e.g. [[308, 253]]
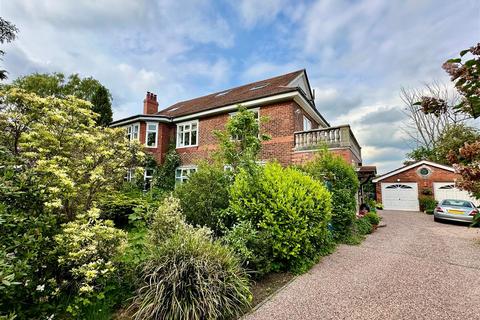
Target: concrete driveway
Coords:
[[413, 268]]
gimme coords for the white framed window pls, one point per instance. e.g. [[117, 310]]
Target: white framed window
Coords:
[[307, 124], [133, 132], [256, 113], [182, 173], [151, 134], [187, 134], [129, 175], [147, 178]]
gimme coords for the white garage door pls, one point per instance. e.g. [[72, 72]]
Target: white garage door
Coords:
[[447, 190], [400, 196]]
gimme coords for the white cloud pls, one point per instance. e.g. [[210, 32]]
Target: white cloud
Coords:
[[254, 11]]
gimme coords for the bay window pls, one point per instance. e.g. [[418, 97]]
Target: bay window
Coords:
[[151, 135], [187, 134], [133, 132]]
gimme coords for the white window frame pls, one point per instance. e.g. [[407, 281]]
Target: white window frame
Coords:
[[131, 132], [254, 110], [149, 131], [147, 179], [183, 124], [184, 172], [307, 124], [129, 175]]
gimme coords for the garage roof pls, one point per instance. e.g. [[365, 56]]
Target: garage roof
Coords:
[[416, 164]]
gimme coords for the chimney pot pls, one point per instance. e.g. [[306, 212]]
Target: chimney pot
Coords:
[[150, 104]]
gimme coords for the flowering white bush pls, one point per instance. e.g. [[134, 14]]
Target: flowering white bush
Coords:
[[87, 247]]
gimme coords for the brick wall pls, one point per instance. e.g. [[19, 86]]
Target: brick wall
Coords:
[[280, 127], [284, 118], [411, 175]]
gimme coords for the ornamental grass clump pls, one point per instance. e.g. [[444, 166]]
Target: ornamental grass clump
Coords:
[[188, 275]]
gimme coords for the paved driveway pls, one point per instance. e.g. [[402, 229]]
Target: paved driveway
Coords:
[[412, 269]]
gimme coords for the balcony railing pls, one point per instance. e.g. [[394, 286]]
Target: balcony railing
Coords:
[[333, 137]]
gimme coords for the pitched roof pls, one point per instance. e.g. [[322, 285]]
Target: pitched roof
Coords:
[[408, 167], [255, 90]]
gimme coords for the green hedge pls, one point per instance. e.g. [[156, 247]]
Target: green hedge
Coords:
[[342, 181], [290, 207]]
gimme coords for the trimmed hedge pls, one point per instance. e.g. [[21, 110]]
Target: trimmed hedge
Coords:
[[291, 208]]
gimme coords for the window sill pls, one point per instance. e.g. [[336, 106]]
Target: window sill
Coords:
[[186, 147]]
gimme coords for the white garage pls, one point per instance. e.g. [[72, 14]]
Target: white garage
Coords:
[[447, 190], [400, 196]]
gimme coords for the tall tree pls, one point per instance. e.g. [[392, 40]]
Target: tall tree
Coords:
[[8, 33], [423, 129], [102, 105], [57, 85], [465, 74]]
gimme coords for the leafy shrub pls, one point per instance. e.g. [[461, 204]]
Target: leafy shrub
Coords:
[[167, 221], [187, 275], [118, 207], [86, 248], [290, 207], [343, 183], [251, 246], [373, 218], [427, 203], [363, 226], [27, 262], [205, 196]]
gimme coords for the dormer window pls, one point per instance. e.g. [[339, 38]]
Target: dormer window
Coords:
[[151, 135], [133, 132], [187, 134]]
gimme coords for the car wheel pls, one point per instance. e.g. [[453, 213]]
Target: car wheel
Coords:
[[436, 219]]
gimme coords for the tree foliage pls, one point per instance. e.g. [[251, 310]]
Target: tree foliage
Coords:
[[241, 141], [451, 139], [70, 159], [56, 84], [465, 74], [8, 33], [343, 183]]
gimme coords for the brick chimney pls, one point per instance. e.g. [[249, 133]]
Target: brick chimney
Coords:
[[150, 104]]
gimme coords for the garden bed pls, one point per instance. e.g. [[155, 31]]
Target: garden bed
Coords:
[[271, 283]]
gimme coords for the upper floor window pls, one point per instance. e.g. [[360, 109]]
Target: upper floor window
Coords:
[[133, 131], [187, 134], [307, 124], [151, 134], [182, 173]]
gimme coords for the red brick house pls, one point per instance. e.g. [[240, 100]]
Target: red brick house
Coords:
[[400, 189], [294, 124]]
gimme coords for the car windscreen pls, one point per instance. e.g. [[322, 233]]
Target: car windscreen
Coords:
[[456, 203]]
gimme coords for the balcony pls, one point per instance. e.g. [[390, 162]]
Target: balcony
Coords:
[[333, 137]]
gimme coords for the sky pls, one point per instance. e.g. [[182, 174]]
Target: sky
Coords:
[[358, 54]]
